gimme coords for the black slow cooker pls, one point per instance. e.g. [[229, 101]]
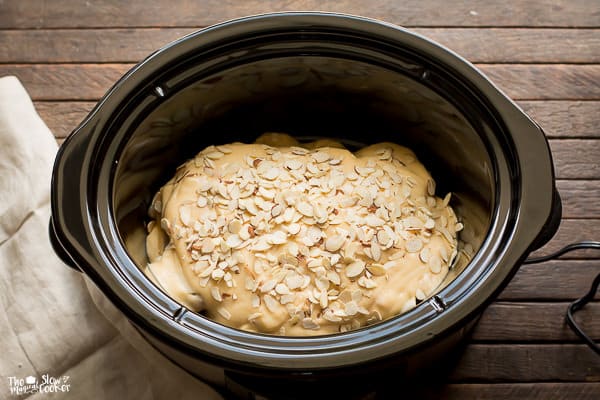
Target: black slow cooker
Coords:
[[311, 75]]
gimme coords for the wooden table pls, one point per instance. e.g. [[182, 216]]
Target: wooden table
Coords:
[[543, 53]]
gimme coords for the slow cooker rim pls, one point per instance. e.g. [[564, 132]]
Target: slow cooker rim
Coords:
[[225, 24]]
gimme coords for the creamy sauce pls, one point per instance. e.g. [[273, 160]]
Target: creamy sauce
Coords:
[[298, 239]]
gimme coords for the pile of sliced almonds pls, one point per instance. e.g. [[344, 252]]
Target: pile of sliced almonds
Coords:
[[303, 239]]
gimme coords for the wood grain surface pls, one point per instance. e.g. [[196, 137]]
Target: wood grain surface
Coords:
[[479, 45], [557, 280], [545, 54], [522, 362], [521, 391], [139, 13], [534, 322], [520, 81]]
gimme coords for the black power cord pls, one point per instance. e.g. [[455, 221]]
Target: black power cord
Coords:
[[588, 244], [581, 302], [577, 305]]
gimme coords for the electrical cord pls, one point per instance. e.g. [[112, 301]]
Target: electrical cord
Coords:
[[577, 305], [588, 244], [581, 302]]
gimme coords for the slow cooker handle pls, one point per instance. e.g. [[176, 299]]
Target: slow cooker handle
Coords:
[[59, 249], [67, 231], [551, 225]]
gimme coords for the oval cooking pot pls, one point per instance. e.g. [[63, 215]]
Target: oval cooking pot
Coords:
[[310, 74]]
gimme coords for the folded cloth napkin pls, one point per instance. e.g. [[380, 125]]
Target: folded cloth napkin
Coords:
[[56, 340]]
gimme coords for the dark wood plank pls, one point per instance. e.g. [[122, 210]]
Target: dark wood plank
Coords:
[[520, 391], [518, 362], [63, 116], [559, 119], [576, 159], [484, 45], [573, 230], [84, 46], [564, 118], [66, 82], [546, 82], [90, 81], [522, 45], [565, 280], [113, 13], [522, 322], [580, 199]]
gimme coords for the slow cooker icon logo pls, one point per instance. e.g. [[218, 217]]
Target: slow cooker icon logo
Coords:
[[47, 384], [23, 386]]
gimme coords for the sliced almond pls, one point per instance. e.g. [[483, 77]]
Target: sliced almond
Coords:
[[282, 288], [323, 300], [424, 254], [217, 274], [330, 316], [294, 229], [351, 308], [268, 286], [272, 173], [334, 243], [294, 281], [355, 269], [255, 301], [435, 265], [214, 155], [334, 277], [305, 209], [383, 237], [446, 200], [216, 293], [430, 187], [224, 313], [322, 283], [363, 171], [266, 193], [376, 269], [374, 221], [429, 223], [207, 246], [278, 237], [375, 251], [287, 298], [254, 316], [234, 226], [185, 215], [202, 201], [276, 210], [261, 245], [233, 241], [308, 323], [414, 245], [271, 303], [300, 151], [225, 149], [293, 164], [367, 283], [320, 156]]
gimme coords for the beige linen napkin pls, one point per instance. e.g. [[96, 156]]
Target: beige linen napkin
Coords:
[[52, 335]]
